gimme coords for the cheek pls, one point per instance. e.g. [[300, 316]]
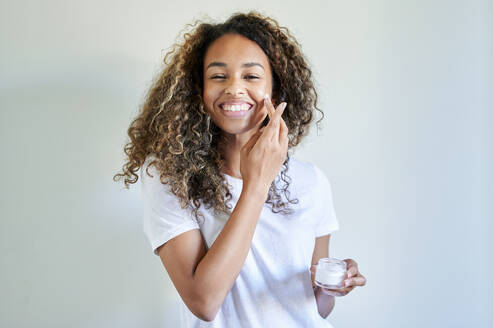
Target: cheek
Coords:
[[209, 95], [258, 92]]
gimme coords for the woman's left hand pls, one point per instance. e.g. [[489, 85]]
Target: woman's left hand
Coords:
[[354, 278]]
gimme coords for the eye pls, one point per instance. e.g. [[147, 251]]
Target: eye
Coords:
[[217, 77], [251, 77]]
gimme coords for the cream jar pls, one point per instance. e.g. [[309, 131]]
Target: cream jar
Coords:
[[330, 273]]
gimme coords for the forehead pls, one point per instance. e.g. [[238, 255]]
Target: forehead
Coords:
[[234, 49]]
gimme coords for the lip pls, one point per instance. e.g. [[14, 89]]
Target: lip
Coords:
[[236, 102], [235, 114]]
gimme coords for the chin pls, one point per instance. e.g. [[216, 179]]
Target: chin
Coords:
[[236, 129]]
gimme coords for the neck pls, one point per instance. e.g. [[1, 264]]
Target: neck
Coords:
[[230, 148]]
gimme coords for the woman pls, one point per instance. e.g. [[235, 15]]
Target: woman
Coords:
[[237, 223]]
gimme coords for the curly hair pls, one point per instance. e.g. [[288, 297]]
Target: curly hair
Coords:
[[174, 127]]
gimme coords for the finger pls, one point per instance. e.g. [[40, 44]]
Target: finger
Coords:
[[352, 272], [268, 106], [337, 292], [355, 281], [270, 109], [352, 268], [277, 119], [272, 131], [280, 109], [283, 134], [261, 115]]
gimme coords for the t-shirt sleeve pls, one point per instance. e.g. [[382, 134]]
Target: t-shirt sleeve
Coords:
[[163, 217], [326, 221]]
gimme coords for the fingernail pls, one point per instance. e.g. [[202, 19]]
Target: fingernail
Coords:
[[266, 96], [347, 283]]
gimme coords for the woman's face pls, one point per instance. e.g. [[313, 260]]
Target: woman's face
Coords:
[[237, 75]]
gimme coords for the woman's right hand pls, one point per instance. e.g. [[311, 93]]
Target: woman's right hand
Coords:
[[262, 156]]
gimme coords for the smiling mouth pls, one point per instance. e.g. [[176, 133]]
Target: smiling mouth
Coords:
[[235, 108]]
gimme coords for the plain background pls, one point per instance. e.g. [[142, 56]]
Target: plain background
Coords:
[[406, 87]]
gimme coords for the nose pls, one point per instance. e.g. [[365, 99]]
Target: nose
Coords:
[[234, 88]]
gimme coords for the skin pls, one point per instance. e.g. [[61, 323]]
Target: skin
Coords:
[[235, 82], [326, 297], [204, 277]]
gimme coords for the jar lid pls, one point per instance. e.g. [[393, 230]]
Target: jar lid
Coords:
[[332, 264]]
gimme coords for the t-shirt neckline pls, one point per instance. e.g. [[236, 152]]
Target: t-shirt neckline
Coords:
[[233, 180]]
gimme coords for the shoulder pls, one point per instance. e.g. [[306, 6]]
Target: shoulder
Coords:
[[300, 168], [150, 174], [304, 170], [307, 177], [153, 189], [147, 168]]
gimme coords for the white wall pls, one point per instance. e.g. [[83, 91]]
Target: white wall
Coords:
[[407, 143]]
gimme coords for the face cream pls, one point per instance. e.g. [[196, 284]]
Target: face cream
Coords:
[[330, 273]]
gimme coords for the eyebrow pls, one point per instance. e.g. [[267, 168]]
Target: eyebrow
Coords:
[[220, 64]]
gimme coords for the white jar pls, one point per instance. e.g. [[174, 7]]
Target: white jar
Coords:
[[330, 273]]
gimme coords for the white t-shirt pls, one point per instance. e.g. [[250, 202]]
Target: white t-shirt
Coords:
[[273, 289]]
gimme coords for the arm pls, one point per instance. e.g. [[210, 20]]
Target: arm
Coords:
[[203, 278], [326, 297], [325, 303]]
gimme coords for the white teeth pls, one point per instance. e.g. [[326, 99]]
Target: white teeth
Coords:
[[236, 108]]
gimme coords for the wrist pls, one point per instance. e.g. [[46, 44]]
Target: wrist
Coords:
[[255, 190], [319, 291]]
